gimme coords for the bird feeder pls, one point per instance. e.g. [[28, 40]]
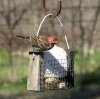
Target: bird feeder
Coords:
[[48, 73], [52, 69]]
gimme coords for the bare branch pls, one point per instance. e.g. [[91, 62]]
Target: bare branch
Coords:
[[81, 26], [95, 21], [14, 9], [19, 19], [3, 8]]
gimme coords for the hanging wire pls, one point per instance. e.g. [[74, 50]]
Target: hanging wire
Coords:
[[63, 32], [42, 23], [60, 24]]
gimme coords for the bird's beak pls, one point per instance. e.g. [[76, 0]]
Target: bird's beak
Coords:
[[54, 42]]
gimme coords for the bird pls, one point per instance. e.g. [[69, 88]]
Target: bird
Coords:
[[41, 43]]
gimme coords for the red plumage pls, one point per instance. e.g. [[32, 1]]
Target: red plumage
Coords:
[[41, 43]]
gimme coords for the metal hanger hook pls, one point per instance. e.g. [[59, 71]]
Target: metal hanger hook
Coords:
[[55, 13]]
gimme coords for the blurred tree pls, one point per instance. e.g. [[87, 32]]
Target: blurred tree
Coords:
[[12, 13], [83, 19], [87, 34], [80, 18]]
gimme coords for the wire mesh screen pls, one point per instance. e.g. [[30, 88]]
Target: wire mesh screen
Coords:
[[57, 73], [55, 77]]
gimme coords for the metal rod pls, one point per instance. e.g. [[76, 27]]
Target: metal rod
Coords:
[[43, 7], [55, 13]]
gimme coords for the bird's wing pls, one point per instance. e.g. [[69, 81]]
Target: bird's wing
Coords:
[[36, 42]]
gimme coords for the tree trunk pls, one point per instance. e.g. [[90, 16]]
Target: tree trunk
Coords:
[[12, 72]]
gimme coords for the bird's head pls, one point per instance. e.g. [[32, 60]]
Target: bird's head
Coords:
[[53, 40]]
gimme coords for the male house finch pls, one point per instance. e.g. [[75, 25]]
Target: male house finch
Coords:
[[41, 43]]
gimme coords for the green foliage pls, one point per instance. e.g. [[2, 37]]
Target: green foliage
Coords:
[[91, 78], [21, 64], [91, 70], [95, 58], [3, 59], [11, 87], [90, 65]]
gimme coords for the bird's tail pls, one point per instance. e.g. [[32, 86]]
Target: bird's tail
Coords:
[[23, 37]]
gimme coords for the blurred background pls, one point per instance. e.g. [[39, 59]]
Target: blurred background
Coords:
[[81, 19]]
